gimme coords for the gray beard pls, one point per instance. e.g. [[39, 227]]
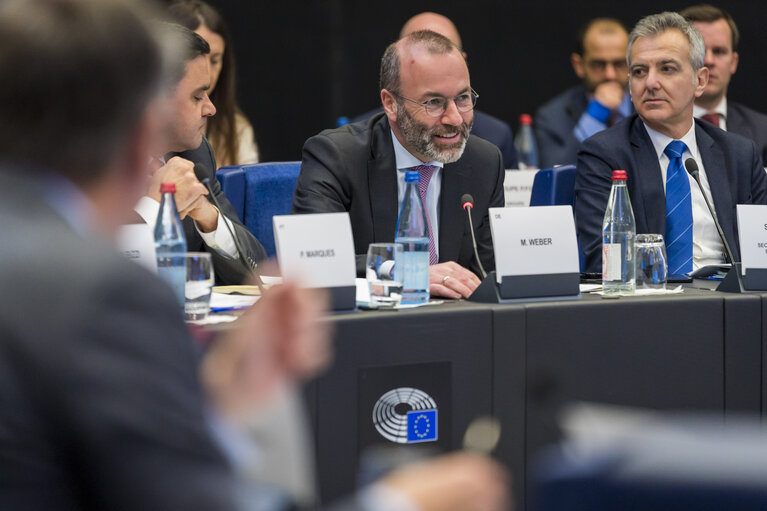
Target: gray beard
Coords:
[[419, 137]]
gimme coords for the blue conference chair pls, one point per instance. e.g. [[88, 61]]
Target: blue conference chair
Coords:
[[258, 192], [554, 187]]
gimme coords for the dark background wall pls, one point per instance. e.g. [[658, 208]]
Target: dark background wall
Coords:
[[304, 63]]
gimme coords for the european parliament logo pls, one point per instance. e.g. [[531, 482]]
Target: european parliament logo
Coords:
[[406, 415]]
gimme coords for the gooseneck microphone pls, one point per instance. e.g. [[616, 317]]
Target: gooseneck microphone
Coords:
[[250, 267], [467, 203], [691, 166]]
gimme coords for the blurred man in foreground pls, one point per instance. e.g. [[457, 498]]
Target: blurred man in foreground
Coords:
[[104, 403]]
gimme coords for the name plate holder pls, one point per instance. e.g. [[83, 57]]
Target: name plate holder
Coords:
[[751, 273], [317, 251], [536, 256]]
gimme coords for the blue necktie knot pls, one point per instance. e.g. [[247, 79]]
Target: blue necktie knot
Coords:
[[675, 149]]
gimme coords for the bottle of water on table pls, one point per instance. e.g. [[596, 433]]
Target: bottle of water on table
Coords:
[[413, 234], [618, 233], [170, 243]]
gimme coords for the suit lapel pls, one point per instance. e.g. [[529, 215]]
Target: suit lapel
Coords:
[[716, 174], [382, 183], [455, 182], [651, 202]]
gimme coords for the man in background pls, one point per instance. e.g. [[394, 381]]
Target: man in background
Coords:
[[485, 126], [187, 158], [722, 37], [598, 102]]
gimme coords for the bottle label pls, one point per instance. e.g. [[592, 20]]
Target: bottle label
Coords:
[[611, 261]]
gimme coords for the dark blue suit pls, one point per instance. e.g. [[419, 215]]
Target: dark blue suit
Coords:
[[749, 123], [554, 123], [732, 163], [486, 127]]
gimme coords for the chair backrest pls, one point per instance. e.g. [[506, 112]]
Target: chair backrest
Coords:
[[258, 192], [232, 180], [554, 187]]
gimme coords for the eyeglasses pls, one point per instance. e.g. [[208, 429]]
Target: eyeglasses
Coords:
[[437, 106], [599, 65]]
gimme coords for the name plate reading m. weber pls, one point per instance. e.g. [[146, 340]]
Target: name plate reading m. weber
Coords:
[[136, 242], [536, 251], [317, 251], [752, 231]]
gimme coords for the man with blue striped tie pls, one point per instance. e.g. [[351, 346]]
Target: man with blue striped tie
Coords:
[[666, 73]]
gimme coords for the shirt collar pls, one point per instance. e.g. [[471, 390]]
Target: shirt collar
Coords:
[[721, 109], [404, 159], [660, 141]]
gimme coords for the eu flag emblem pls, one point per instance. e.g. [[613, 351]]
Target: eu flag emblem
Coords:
[[421, 426]]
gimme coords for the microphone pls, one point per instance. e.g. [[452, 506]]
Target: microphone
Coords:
[[691, 166], [249, 267], [467, 203]]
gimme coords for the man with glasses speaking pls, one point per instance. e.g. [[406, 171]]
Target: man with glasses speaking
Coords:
[[428, 114]]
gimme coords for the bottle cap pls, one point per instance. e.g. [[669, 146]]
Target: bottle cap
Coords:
[[525, 119], [168, 188], [619, 175], [412, 176]]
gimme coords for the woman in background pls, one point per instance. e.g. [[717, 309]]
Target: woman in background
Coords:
[[229, 131]]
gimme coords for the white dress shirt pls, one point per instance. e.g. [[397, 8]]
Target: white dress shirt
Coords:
[[404, 160], [721, 109], [707, 247]]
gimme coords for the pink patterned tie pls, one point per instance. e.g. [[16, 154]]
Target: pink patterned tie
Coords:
[[426, 171]]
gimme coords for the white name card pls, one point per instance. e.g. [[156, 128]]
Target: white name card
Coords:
[[316, 250], [136, 242], [752, 230], [518, 187], [534, 241]]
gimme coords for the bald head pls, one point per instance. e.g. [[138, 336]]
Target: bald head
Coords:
[[434, 22]]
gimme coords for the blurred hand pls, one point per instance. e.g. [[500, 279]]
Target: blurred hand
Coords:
[[451, 280], [609, 94], [190, 192], [281, 339], [455, 482]]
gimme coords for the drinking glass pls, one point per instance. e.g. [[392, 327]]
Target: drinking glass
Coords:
[[651, 266], [384, 274], [199, 283]]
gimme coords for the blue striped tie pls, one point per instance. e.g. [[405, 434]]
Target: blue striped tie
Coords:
[[678, 211]]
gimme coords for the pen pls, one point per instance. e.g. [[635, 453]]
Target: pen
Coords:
[[233, 308]]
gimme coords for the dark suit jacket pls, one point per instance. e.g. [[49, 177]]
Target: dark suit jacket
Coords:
[[353, 168], [100, 402], [749, 123], [554, 123], [485, 126], [227, 270], [733, 168]]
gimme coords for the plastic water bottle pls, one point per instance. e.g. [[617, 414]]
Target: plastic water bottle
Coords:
[[524, 142], [618, 233], [170, 243], [413, 233]]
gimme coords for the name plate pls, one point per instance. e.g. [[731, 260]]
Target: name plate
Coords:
[[752, 232], [536, 251], [316, 250], [518, 187], [136, 242]]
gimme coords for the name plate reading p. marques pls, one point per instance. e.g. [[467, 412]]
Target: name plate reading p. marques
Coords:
[[535, 248], [316, 250], [752, 231]]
